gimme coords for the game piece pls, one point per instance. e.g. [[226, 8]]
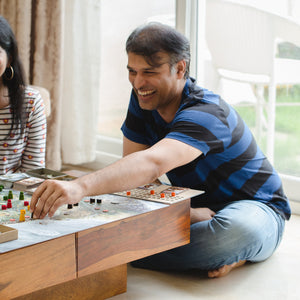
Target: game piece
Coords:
[[162, 195], [128, 193], [92, 200], [76, 204], [99, 201], [152, 192], [9, 205], [22, 215], [3, 206], [5, 198], [69, 206], [26, 203], [21, 196], [10, 195], [105, 210]]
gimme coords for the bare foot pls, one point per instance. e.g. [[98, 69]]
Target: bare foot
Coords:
[[225, 269]]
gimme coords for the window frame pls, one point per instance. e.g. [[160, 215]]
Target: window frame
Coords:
[[189, 21]]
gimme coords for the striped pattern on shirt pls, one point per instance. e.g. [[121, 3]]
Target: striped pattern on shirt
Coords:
[[231, 167], [22, 152]]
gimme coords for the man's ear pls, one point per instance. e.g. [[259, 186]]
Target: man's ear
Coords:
[[181, 68]]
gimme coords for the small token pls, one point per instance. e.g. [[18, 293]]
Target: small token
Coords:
[[12, 220], [26, 203], [3, 206], [86, 200], [27, 217], [21, 196], [128, 193], [173, 194], [162, 195], [105, 210], [152, 192], [97, 208]]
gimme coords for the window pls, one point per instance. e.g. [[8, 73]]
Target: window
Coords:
[[118, 19], [188, 16]]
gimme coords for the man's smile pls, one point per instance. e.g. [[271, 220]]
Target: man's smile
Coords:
[[145, 93]]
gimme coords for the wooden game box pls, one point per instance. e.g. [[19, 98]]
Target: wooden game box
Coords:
[[8, 234]]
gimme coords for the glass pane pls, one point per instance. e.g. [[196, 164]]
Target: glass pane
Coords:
[[118, 19]]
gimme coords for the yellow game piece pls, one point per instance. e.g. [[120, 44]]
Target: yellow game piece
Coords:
[[28, 207], [22, 215]]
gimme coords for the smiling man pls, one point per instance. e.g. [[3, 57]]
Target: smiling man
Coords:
[[177, 128]]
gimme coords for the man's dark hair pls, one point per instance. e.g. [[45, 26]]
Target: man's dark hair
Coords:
[[147, 40]]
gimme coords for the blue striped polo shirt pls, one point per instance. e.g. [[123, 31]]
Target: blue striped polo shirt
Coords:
[[231, 167]]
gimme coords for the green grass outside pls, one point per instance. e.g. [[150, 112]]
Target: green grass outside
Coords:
[[287, 127]]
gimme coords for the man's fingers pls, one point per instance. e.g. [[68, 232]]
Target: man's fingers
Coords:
[[36, 195], [45, 197]]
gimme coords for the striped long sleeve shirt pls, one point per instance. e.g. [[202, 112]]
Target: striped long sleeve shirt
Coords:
[[21, 152]]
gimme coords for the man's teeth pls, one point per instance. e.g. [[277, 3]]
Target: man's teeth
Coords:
[[145, 93]]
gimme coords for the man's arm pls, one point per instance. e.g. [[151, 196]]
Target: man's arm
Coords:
[[133, 170], [131, 147]]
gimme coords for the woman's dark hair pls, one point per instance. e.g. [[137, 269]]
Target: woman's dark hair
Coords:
[[13, 80], [147, 40]]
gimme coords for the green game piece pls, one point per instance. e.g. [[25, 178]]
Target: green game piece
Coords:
[[21, 196], [10, 195], [5, 198], [1, 188]]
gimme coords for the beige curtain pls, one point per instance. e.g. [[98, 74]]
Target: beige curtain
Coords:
[[38, 26]]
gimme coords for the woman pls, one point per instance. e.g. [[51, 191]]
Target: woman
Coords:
[[22, 115]]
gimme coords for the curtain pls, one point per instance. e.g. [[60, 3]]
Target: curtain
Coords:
[[58, 44], [38, 28], [81, 78]]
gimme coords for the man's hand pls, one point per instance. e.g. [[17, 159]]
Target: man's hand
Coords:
[[51, 194], [201, 214]]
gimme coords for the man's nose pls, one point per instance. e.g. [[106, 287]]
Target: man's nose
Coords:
[[139, 81]]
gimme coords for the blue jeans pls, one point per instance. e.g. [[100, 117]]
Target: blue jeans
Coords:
[[243, 230]]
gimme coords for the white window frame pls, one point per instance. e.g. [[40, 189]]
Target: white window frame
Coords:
[[190, 16]]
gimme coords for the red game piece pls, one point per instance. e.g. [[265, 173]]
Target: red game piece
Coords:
[[162, 195], [26, 203], [128, 193], [152, 192], [3, 206], [173, 194], [9, 205]]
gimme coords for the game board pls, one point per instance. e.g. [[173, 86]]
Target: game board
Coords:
[[9, 215], [161, 193], [103, 206]]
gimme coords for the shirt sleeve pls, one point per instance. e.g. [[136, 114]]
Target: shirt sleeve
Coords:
[[134, 127], [36, 131]]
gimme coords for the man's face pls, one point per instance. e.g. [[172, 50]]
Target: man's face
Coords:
[[155, 87]]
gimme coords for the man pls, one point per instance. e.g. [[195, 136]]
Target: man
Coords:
[[175, 127]]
